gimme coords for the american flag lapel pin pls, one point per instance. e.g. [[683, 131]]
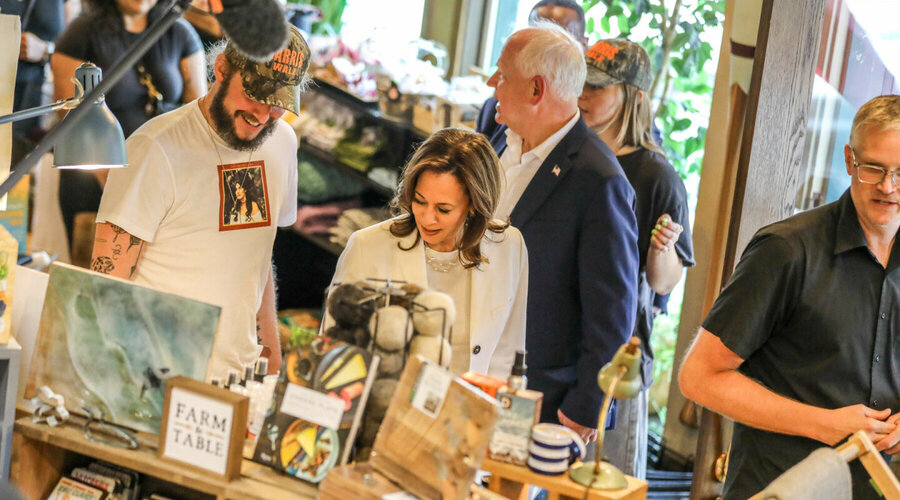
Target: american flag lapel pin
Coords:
[[555, 170]]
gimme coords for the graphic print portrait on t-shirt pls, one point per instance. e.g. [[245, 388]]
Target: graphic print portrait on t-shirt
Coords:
[[243, 196]]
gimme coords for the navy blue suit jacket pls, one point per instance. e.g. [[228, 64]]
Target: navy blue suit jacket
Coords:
[[577, 218]]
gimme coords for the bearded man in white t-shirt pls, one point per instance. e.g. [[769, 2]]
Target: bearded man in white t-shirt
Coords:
[[195, 213]]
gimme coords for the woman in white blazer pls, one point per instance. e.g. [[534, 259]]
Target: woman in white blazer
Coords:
[[443, 238]]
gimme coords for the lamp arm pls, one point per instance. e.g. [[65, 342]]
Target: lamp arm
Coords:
[[118, 70], [69, 103], [604, 410]]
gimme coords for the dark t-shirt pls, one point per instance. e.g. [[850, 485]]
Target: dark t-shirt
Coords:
[[46, 19], [658, 190], [815, 318], [95, 38]]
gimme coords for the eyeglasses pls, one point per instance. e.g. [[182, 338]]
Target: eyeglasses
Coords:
[[873, 174]]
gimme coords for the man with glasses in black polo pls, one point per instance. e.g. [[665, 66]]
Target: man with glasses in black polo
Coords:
[[801, 347]]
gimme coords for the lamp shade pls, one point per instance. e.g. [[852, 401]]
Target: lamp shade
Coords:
[[98, 141], [629, 357]]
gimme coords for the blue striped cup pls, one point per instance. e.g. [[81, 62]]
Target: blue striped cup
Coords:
[[553, 448]]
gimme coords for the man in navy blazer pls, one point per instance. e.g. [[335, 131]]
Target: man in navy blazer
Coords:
[[568, 195], [566, 13]]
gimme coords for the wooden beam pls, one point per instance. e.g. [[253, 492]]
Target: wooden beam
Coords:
[[769, 167]]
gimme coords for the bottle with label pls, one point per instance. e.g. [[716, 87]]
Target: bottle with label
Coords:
[[258, 405], [520, 409]]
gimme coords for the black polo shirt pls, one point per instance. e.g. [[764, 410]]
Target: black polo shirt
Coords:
[[814, 315]]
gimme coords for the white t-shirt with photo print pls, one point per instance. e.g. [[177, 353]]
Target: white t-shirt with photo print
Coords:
[[208, 214]]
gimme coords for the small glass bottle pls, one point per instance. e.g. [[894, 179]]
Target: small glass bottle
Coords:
[[236, 386], [262, 368], [517, 379], [232, 379]]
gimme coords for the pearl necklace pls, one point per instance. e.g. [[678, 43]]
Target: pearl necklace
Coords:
[[431, 258]]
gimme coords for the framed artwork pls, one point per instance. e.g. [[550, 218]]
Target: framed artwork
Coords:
[[108, 345]]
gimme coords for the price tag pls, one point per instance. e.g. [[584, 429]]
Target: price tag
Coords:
[[430, 389], [312, 406]]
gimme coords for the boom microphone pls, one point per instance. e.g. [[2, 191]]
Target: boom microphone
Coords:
[[257, 28]]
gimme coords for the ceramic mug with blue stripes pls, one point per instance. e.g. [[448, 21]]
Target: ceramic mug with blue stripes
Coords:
[[553, 448]]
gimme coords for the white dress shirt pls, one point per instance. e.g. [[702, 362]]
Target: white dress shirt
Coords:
[[520, 168]]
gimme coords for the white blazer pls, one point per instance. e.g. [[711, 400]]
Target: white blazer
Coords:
[[499, 287]]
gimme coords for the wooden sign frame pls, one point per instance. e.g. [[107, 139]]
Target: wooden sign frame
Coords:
[[434, 457], [239, 414]]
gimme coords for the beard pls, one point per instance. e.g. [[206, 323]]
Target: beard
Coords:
[[224, 121]]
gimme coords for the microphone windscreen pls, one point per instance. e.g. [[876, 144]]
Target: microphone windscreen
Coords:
[[257, 28]]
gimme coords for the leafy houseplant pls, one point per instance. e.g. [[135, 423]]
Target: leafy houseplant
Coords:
[[671, 32], [332, 11]]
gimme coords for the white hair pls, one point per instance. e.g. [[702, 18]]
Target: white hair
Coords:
[[552, 52]]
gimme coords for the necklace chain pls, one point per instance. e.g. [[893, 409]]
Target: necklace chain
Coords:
[[438, 265], [210, 133]]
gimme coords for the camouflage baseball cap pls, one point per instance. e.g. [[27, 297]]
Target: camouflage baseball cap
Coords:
[[275, 82], [616, 61]]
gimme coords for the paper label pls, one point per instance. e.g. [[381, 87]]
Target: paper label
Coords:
[[430, 389], [312, 406], [199, 430], [509, 443]]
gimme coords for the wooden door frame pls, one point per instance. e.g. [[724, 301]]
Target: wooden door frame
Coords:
[[768, 174]]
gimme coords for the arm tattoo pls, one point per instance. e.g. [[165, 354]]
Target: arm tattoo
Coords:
[[118, 230], [103, 264], [132, 241]]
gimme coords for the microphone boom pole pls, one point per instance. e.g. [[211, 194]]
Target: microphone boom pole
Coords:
[[118, 70]]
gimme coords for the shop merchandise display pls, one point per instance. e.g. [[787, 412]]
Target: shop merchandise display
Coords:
[[94, 327], [98, 481], [319, 183], [353, 220], [316, 411], [431, 444], [450, 423], [394, 321], [520, 411]]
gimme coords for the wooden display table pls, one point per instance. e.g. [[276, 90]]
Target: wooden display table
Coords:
[[42, 454], [511, 481]]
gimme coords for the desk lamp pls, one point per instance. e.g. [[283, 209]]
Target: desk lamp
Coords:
[[620, 379], [98, 141]]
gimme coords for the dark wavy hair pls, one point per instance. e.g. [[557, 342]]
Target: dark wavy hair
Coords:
[[109, 18], [469, 157]]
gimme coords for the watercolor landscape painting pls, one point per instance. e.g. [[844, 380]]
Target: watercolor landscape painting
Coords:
[[107, 344]]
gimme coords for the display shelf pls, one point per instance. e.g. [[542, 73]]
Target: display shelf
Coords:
[[511, 481], [329, 158], [43, 454], [368, 107]]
